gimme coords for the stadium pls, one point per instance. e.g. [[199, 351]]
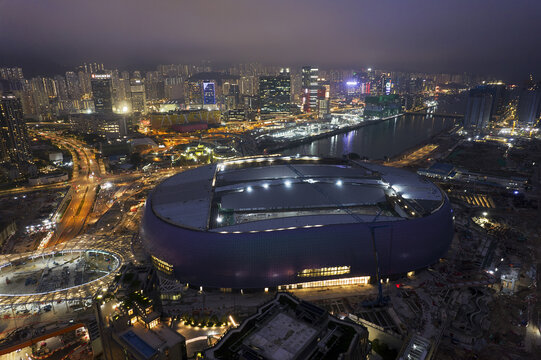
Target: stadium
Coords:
[[292, 222]]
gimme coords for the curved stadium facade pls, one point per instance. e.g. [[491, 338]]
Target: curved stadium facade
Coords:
[[271, 221]]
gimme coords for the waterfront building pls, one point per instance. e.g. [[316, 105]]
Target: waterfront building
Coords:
[[102, 92], [309, 88], [275, 92], [382, 106]]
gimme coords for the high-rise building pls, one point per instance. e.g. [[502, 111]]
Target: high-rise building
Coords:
[[14, 143], [91, 68], [323, 100], [195, 94], [232, 99], [309, 88], [102, 92], [529, 104], [61, 87], [154, 87], [209, 93], [85, 83], [498, 93], [138, 96], [14, 73], [478, 111], [275, 93], [173, 88], [73, 87]]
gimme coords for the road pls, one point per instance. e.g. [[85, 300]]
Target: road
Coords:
[[85, 180], [87, 175]]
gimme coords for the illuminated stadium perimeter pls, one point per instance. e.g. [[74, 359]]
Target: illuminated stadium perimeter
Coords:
[[293, 222]]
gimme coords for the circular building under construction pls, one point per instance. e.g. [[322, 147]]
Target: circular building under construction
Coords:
[[282, 222]]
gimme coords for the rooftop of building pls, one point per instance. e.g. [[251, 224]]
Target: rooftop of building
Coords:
[[289, 328], [148, 342], [276, 193]]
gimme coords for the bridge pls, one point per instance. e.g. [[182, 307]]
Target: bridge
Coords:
[[438, 114]]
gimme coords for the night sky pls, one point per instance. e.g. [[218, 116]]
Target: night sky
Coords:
[[498, 37]]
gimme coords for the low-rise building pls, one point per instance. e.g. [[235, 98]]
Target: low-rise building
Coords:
[[289, 328], [160, 342], [48, 179]]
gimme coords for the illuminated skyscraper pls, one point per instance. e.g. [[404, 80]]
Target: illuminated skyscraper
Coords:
[[138, 97], [195, 93], [14, 144], [275, 92], [309, 88], [102, 92], [209, 93]]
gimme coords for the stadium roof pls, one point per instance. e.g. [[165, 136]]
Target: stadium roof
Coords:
[[274, 193]]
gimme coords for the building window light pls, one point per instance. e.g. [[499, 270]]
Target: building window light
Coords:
[[326, 271]]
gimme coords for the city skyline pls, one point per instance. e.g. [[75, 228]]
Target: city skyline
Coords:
[[277, 180], [413, 36]]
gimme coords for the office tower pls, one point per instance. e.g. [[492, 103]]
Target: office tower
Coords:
[[232, 99], [209, 93], [323, 107], [14, 143], [195, 93], [275, 92], [248, 85], [323, 99], [102, 92], [309, 88], [529, 104], [478, 111], [386, 84], [138, 97]]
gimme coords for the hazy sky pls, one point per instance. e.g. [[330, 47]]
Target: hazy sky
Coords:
[[500, 37]]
